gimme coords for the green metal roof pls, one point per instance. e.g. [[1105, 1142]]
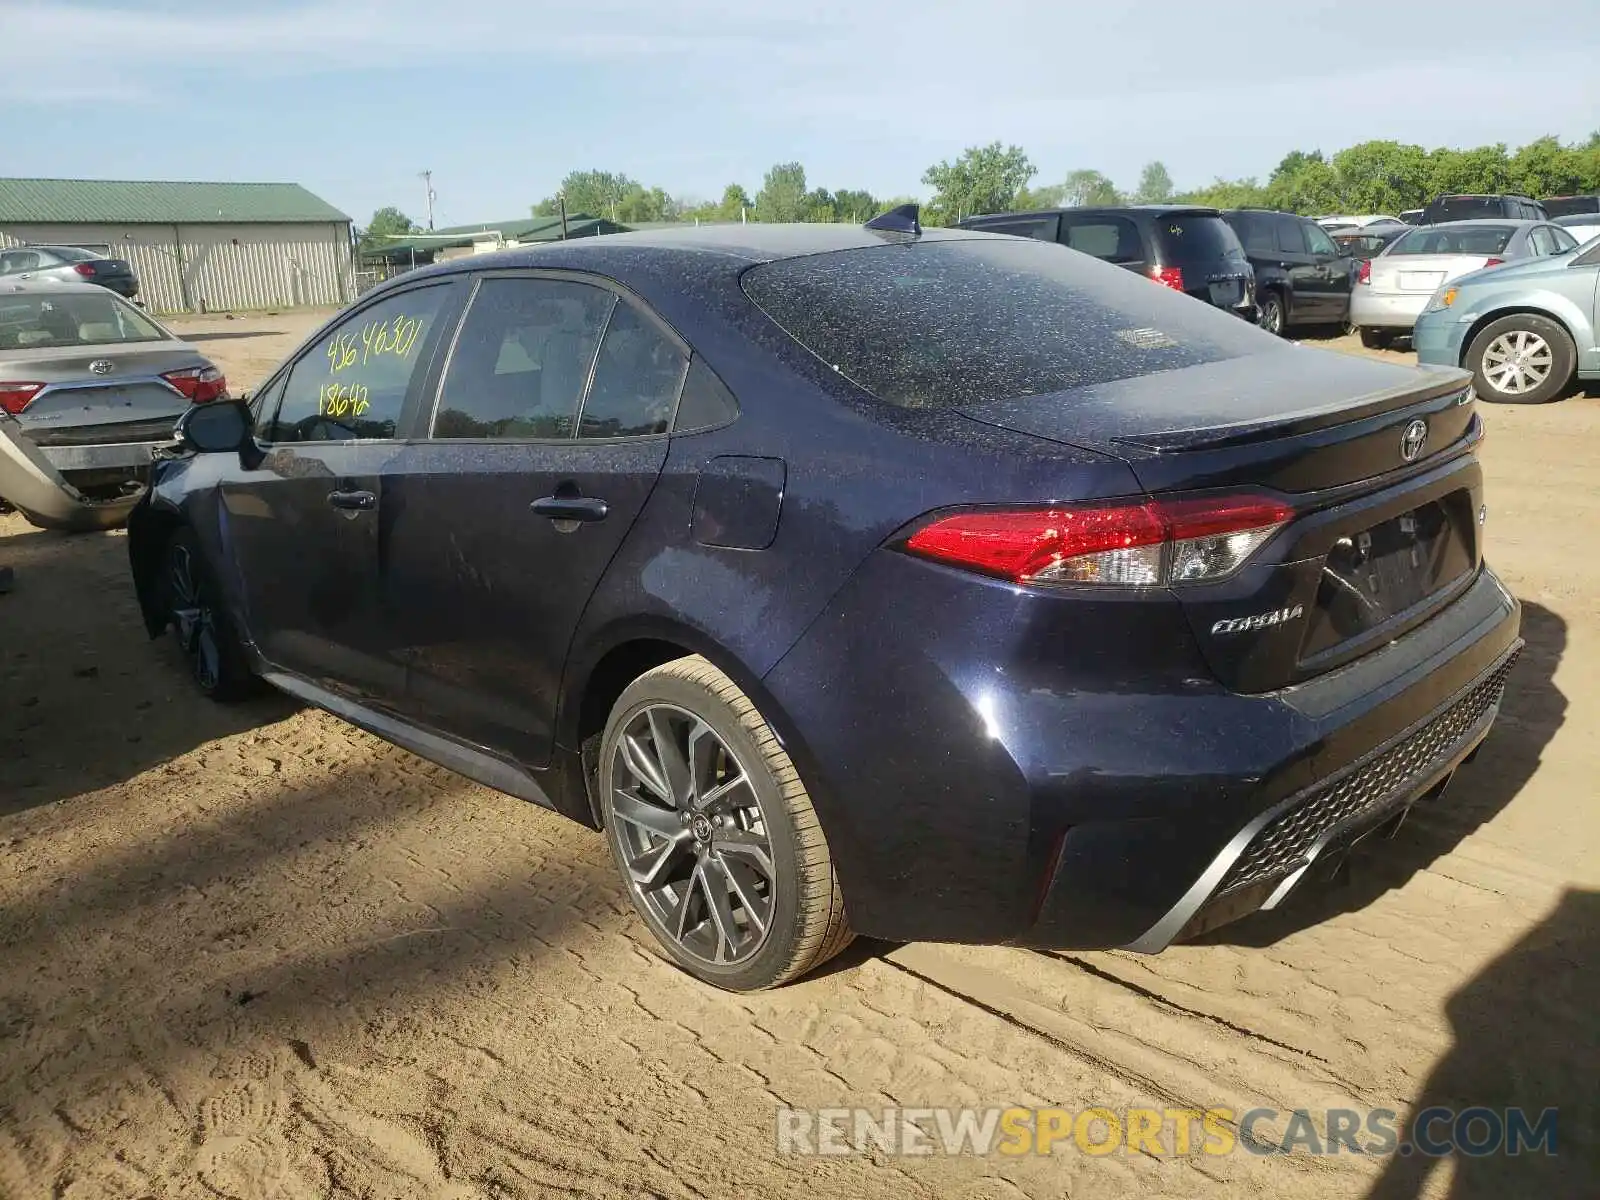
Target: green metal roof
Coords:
[[128, 202]]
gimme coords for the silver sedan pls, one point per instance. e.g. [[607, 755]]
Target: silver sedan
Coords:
[[90, 388], [1393, 288]]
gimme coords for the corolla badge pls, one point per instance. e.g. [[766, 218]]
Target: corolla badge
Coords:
[[1259, 621], [102, 366], [1413, 440]]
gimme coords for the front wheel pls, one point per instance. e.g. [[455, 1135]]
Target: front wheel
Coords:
[[716, 839], [201, 625], [1521, 359]]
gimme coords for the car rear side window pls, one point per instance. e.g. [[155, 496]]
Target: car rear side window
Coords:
[[353, 382], [637, 378], [1184, 239], [939, 324], [1114, 239], [1291, 234], [1318, 240], [1255, 231], [522, 359]]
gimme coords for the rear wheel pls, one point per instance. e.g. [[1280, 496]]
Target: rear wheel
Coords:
[[200, 623], [1521, 359], [1376, 339], [716, 839], [1270, 314]]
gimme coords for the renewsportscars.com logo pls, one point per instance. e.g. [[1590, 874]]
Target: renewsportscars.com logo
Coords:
[[1475, 1132]]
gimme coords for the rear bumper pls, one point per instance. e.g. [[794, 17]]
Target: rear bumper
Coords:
[[1386, 310], [987, 772], [135, 457], [30, 482]]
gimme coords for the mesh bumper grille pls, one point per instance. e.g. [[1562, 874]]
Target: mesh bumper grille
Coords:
[[1284, 844]]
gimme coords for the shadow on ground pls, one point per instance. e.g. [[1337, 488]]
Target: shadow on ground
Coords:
[[1531, 713], [1526, 1037], [86, 699], [228, 335]]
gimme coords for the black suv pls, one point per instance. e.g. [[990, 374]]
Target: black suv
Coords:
[[1462, 207], [1185, 247], [1570, 206], [1302, 277]]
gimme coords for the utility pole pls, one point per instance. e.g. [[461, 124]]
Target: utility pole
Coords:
[[427, 183], [561, 198]]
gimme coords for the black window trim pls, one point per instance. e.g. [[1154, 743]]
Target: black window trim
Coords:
[[621, 294], [402, 425]]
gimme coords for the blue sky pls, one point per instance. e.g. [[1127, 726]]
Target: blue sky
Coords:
[[501, 98]]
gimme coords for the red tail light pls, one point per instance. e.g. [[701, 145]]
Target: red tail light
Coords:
[[83, 268], [14, 397], [199, 384], [1171, 277], [1364, 272], [1493, 262], [1144, 543]]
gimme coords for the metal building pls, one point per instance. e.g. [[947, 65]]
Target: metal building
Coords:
[[195, 246]]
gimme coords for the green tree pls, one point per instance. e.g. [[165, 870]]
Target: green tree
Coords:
[[855, 207], [1381, 177], [1049, 195], [1227, 193], [783, 194], [1547, 168], [386, 225], [1155, 184], [984, 179], [818, 206], [1083, 188], [736, 203], [1480, 169], [639, 203], [594, 193]]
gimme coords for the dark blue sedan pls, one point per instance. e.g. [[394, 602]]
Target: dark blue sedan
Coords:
[[926, 585]]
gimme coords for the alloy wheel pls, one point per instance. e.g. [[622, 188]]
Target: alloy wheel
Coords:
[[693, 837], [1517, 361], [1272, 316], [193, 618]]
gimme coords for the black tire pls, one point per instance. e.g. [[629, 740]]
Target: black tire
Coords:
[[1547, 347], [790, 915], [200, 623], [1270, 313], [1376, 339]]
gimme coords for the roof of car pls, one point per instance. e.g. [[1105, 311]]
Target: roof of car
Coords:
[[742, 245], [1092, 209], [1487, 223]]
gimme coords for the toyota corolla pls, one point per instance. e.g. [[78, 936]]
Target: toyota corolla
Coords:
[[921, 584]]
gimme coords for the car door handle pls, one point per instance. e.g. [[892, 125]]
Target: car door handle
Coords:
[[353, 501], [572, 508]]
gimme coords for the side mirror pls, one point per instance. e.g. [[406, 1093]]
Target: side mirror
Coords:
[[218, 427]]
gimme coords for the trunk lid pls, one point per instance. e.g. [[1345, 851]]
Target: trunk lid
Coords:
[[130, 393], [1422, 274], [1385, 530]]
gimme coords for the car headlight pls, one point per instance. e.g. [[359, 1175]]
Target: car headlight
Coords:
[[1442, 300]]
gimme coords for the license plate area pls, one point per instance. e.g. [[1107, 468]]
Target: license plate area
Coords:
[[1387, 570], [1227, 293], [1421, 281]]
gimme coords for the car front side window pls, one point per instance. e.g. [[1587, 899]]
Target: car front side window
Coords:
[[354, 381]]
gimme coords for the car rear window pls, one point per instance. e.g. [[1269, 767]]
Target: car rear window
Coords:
[[71, 253], [1466, 208], [30, 322], [943, 324], [1184, 238], [1485, 239]]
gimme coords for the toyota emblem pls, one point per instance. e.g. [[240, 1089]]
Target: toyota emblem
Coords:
[[1413, 440], [102, 366]]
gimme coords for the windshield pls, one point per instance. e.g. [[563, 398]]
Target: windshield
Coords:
[[1477, 239], [941, 324], [32, 322]]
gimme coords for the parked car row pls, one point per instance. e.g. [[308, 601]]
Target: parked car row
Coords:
[[90, 389]]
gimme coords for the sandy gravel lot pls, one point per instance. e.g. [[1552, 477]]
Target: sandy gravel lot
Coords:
[[254, 952]]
